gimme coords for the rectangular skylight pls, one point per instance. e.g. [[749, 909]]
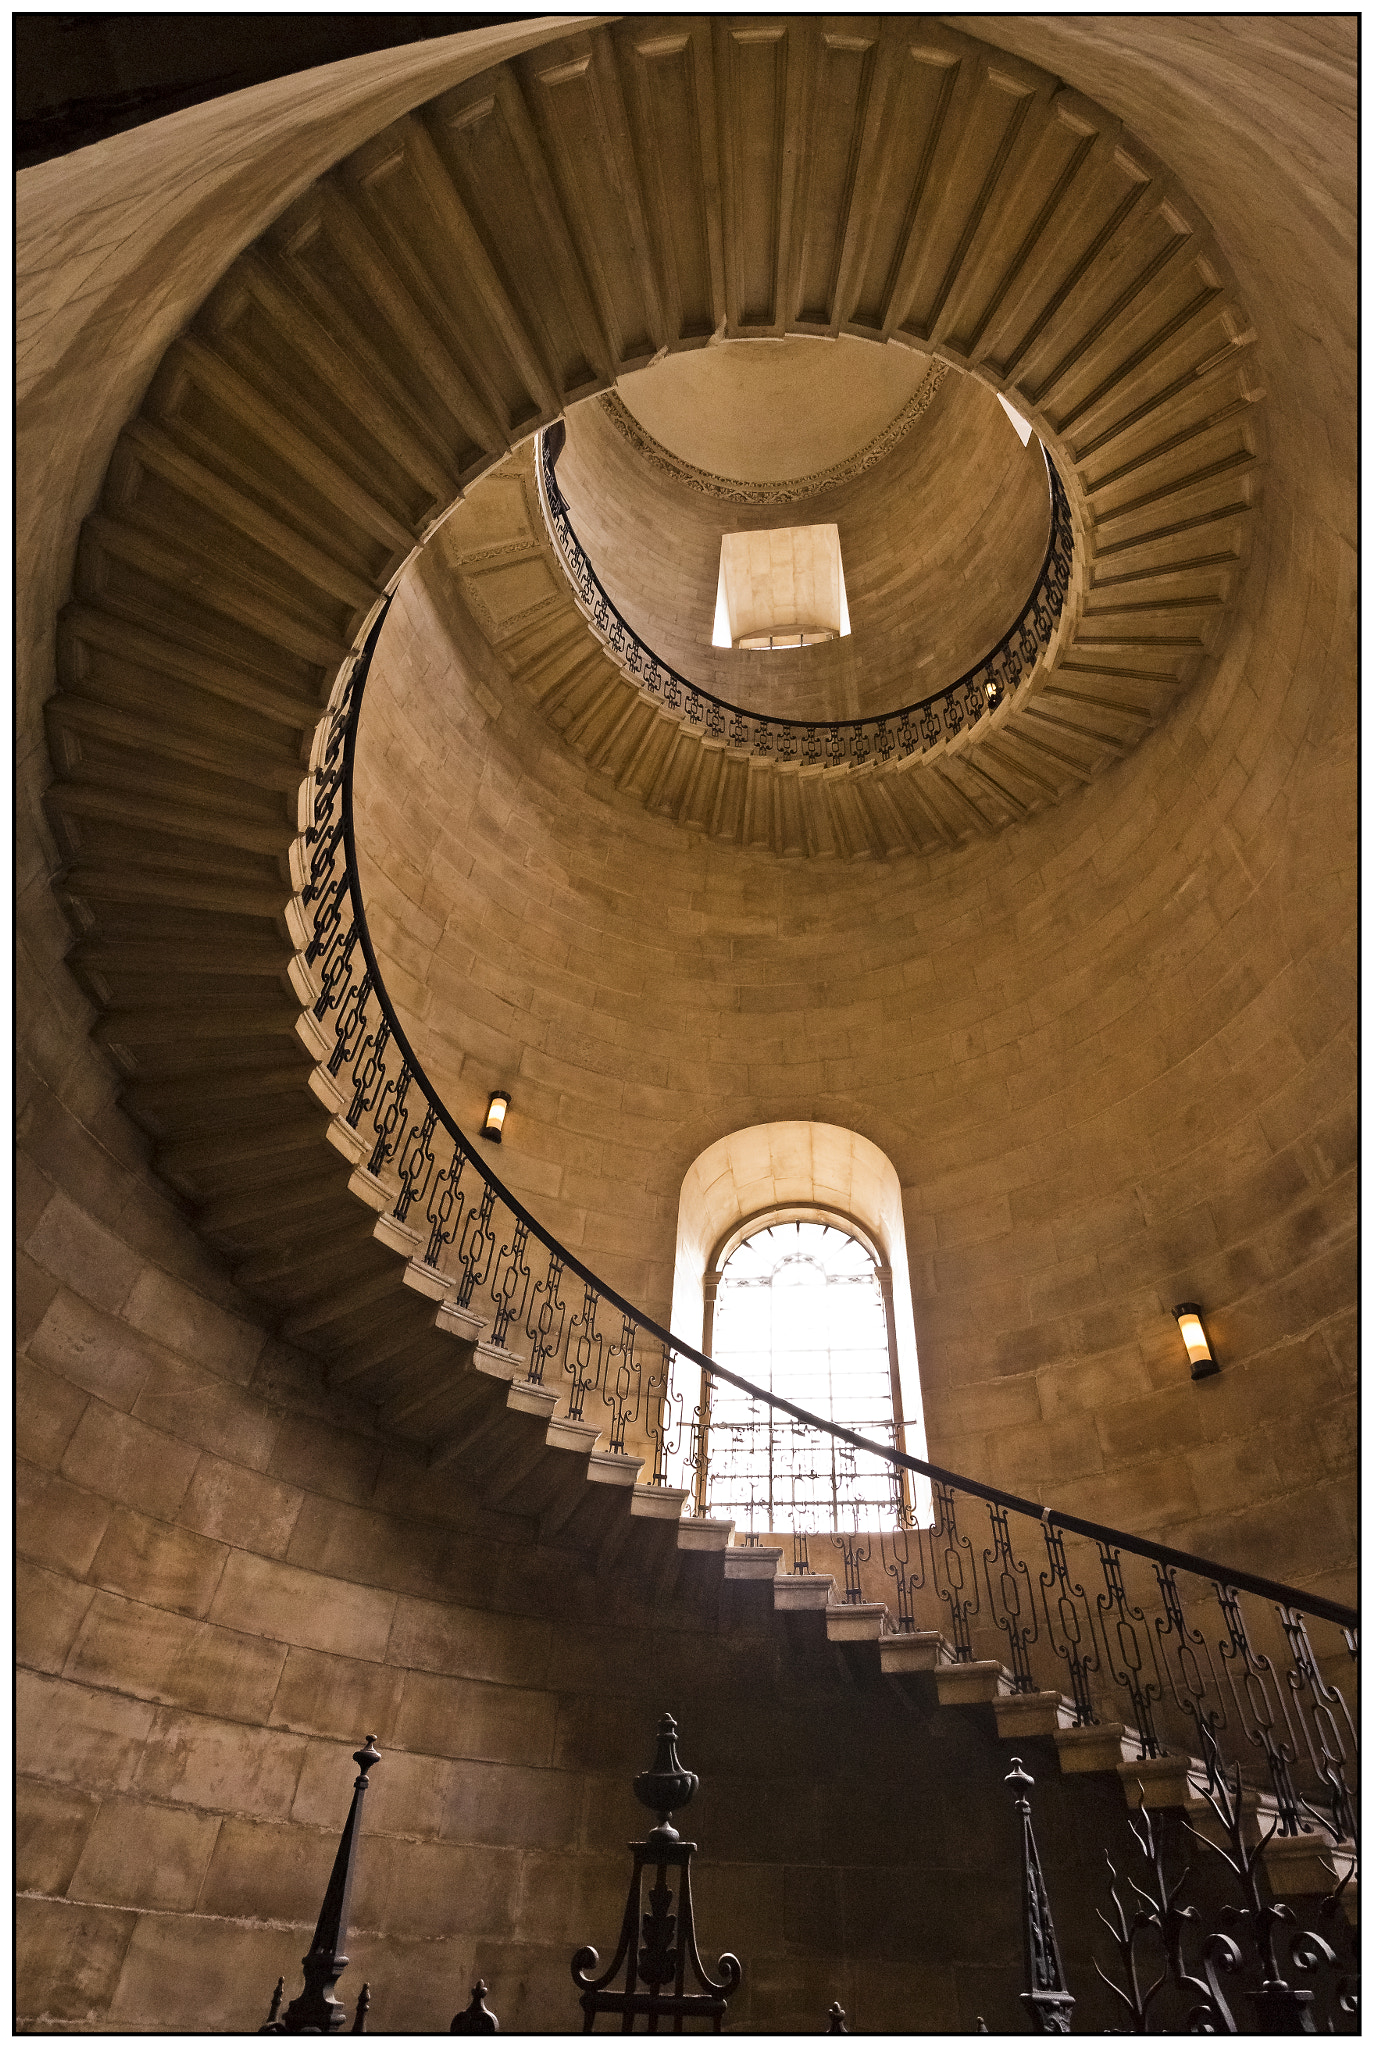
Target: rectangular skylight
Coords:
[[781, 588]]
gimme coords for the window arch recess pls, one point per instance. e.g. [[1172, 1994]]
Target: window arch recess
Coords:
[[794, 1172]]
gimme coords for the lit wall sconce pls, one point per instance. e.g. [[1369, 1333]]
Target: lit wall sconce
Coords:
[[1203, 1364], [495, 1115]]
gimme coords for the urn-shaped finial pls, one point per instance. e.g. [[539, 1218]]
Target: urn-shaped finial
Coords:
[[666, 1785]]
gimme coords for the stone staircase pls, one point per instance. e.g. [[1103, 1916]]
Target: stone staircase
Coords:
[[490, 259], [503, 252], [921, 1667]]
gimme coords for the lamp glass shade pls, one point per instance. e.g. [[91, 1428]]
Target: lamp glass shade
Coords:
[[495, 1115], [1194, 1337]]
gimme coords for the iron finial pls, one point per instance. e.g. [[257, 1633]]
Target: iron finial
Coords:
[[273, 2026], [657, 1946], [837, 2018], [316, 2010], [666, 1785], [359, 2025], [476, 2019]]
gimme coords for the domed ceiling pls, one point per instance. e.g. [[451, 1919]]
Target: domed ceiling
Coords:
[[774, 412]]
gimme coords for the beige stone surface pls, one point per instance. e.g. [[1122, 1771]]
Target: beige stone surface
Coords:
[[1111, 1058], [735, 411]]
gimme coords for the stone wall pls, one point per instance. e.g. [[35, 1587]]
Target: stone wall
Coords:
[[1111, 1053], [1126, 1071], [222, 1586]]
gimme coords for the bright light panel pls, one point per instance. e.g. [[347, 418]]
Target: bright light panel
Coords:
[[1017, 420]]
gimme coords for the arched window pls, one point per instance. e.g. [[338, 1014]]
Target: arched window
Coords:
[[800, 1303]]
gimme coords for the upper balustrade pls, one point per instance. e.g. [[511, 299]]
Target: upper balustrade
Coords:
[[895, 736]]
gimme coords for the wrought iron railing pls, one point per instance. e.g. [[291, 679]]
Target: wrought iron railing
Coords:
[[832, 743], [1171, 1646]]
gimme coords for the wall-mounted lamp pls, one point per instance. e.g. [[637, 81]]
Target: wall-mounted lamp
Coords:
[[495, 1115], [1203, 1364]]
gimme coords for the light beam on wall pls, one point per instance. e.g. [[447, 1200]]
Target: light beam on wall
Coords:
[[1017, 420]]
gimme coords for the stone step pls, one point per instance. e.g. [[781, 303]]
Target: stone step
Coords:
[[975, 1683], [857, 1622], [798, 1592], [752, 1561]]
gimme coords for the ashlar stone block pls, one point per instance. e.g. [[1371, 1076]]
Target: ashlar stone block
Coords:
[[137, 1854]]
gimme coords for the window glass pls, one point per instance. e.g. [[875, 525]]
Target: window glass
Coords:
[[799, 1311]]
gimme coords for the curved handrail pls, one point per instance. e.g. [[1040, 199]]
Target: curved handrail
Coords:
[[997, 1497], [833, 742]]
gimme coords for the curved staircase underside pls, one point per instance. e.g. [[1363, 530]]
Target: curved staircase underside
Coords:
[[509, 248]]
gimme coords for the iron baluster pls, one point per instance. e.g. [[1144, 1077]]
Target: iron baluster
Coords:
[[337, 969], [351, 1026], [584, 1352], [660, 1402], [1081, 1656], [417, 1164], [1046, 1997], [1320, 1730], [367, 1075], [700, 1446], [906, 1541], [1116, 1612], [476, 1245], [1016, 1619], [510, 1288], [444, 1207], [545, 1329], [1173, 1627], [389, 1123], [328, 918], [1255, 1708], [855, 1556], [620, 1385], [323, 855], [959, 1591]]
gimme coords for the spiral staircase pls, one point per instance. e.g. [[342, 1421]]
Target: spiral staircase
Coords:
[[397, 338]]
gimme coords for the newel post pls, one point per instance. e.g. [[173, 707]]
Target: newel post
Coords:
[[657, 1946], [317, 2011], [1046, 1997]]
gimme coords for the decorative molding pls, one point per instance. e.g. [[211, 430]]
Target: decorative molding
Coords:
[[740, 493]]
